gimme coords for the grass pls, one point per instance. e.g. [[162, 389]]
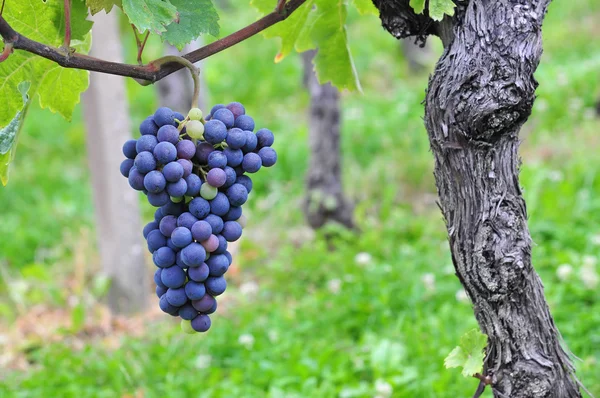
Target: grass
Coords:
[[379, 312]]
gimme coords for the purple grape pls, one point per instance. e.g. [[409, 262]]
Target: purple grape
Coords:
[[185, 149], [216, 177]]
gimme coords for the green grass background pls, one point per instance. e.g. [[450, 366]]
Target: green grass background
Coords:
[[321, 324]]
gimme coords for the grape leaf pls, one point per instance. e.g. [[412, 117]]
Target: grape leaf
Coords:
[[195, 18], [418, 5], [98, 5], [366, 7], [153, 15], [469, 354], [325, 29], [437, 9], [10, 133]]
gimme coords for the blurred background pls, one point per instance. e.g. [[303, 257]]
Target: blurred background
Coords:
[[312, 309]]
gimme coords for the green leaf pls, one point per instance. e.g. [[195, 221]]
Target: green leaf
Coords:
[[9, 132], [437, 9], [418, 5], [366, 7], [153, 15], [98, 5], [325, 29], [60, 88], [195, 18], [469, 354]]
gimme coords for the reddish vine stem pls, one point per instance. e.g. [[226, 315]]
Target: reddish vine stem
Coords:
[[139, 43], [149, 73], [67, 42], [8, 47]]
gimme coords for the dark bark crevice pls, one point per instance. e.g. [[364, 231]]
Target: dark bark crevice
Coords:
[[479, 96], [325, 201]]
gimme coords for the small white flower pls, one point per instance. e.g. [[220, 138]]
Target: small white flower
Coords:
[[249, 288], [203, 361], [589, 261], [363, 258], [555, 175], [428, 280], [595, 239], [273, 336], [461, 296], [541, 105], [334, 286], [589, 276], [383, 389], [247, 340], [564, 271]]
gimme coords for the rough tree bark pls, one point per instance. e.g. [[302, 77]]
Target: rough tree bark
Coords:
[[325, 201], [479, 96], [116, 204]]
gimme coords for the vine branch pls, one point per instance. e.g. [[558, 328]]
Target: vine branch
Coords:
[[149, 72]]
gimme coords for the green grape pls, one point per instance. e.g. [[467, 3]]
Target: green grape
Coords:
[[186, 327], [195, 129], [176, 200], [243, 220], [208, 192], [195, 114]]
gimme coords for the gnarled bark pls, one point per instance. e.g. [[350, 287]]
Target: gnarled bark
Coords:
[[479, 96], [325, 200]]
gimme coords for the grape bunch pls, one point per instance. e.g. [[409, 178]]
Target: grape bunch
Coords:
[[194, 170]]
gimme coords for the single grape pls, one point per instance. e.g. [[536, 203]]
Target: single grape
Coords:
[[173, 277], [168, 133], [148, 127], [215, 131], [164, 305], [146, 143], [156, 240], [164, 116], [195, 114], [144, 162], [217, 264], [217, 160], [182, 237], [177, 189], [199, 207], [236, 108], [216, 223], [245, 181], [165, 152], [126, 166], [215, 286], [186, 327], [185, 149], [158, 199], [201, 230], [195, 129], [198, 274], [244, 122], [237, 194], [194, 184], [219, 205], [211, 243], [154, 181], [187, 166], [216, 177], [225, 116], [176, 297], [251, 142], [203, 150], [233, 214], [265, 138], [193, 255], [236, 138], [252, 162], [231, 231], [195, 290], [186, 220], [151, 226], [216, 108], [173, 172], [208, 192], [201, 323], [188, 312], [268, 156], [163, 257], [234, 156], [204, 304], [167, 225], [129, 149]]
